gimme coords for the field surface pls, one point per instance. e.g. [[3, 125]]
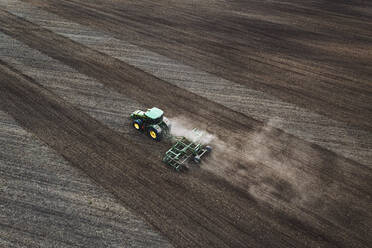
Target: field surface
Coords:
[[283, 88]]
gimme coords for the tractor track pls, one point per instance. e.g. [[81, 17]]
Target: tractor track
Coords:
[[249, 204]]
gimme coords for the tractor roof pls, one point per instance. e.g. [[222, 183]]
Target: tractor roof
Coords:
[[154, 113]]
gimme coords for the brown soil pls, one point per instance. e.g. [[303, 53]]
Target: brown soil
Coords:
[[321, 200]]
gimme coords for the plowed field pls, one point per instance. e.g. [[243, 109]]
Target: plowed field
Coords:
[[284, 89]]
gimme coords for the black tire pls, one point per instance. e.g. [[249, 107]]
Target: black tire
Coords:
[[137, 124], [154, 133]]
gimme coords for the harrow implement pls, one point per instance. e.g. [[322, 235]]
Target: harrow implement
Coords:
[[184, 151]]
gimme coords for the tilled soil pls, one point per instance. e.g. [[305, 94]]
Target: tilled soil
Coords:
[[315, 55], [261, 188], [46, 202]]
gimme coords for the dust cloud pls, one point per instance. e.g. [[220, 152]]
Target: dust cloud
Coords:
[[182, 127], [262, 162]]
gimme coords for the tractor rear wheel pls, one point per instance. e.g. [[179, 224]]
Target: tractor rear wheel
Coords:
[[154, 134]]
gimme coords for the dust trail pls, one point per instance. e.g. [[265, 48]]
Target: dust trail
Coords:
[[257, 162], [262, 162], [182, 127], [277, 169]]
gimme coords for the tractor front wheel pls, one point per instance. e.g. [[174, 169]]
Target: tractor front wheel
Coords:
[[137, 124]]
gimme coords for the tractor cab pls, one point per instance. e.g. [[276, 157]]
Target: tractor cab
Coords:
[[154, 115]]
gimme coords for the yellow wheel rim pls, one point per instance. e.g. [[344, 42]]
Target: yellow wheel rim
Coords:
[[153, 134], [136, 126]]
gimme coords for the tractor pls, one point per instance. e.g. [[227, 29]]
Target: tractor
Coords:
[[151, 122]]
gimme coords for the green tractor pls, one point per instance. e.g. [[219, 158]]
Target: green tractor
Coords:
[[151, 122]]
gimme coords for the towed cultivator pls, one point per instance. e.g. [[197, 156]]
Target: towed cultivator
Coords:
[[183, 151]]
